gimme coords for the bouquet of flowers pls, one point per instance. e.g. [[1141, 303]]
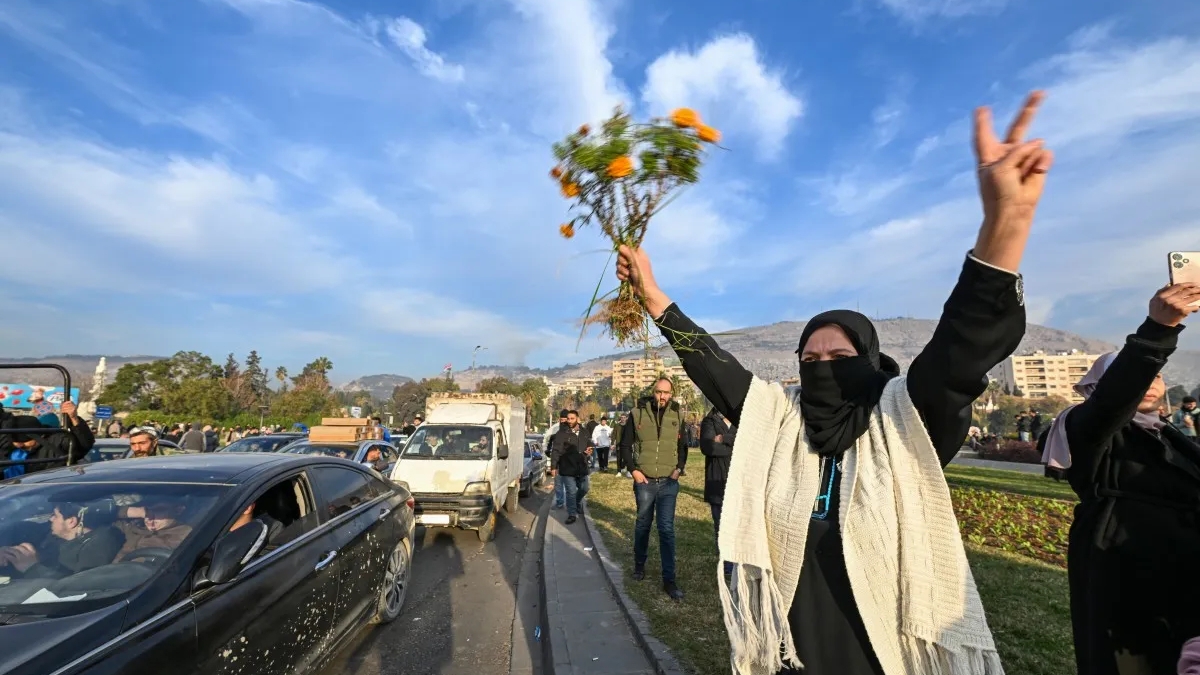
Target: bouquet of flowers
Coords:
[[618, 177]]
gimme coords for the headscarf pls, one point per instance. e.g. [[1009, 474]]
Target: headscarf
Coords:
[[1057, 454], [836, 397]]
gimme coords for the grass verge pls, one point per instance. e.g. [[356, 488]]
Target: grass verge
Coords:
[[1016, 482], [1026, 600]]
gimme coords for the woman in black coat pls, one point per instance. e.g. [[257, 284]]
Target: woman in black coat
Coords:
[[1134, 555]]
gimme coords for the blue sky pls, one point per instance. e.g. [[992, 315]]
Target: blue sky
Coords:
[[367, 180]]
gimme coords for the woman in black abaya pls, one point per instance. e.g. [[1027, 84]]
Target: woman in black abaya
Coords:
[[1135, 542], [843, 375]]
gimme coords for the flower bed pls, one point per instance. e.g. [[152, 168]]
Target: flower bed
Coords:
[[1030, 526]]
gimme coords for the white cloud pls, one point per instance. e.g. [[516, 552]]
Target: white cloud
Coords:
[[410, 37], [727, 81], [859, 190], [1102, 93], [917, 11]]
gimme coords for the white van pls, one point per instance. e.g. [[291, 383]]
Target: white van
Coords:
[[464, 463]]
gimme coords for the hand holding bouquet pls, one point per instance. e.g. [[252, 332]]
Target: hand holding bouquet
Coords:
[[618, 178]]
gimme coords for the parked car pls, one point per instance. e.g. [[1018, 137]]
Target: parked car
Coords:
[[118, 448], [267, 443], [328, 550], [353, 451], [534, 473]]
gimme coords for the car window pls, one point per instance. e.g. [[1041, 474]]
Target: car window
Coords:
[[341, 489], [377, 487], [287, 509], [389, 453], [75, 547]]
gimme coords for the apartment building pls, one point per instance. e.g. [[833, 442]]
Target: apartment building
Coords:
[[640, 373], [1039, 375]]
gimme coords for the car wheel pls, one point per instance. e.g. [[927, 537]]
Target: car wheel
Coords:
[[487, 531], [514, 495], [395, 583]]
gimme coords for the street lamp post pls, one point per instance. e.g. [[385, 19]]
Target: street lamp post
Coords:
[[475, 353], [262, 414]]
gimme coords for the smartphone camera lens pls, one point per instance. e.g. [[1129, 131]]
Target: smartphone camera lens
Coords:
[[1177, 256], [1178, 265]]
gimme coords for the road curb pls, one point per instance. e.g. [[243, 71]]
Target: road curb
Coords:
[[660, 656], [533, 570]]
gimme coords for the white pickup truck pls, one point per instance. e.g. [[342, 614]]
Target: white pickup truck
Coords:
[[464, 463]]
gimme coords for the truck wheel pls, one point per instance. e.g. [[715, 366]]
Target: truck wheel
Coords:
[[514, 493], [487, 531]]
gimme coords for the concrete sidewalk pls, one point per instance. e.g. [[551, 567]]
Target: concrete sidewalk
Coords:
[[588, 631]]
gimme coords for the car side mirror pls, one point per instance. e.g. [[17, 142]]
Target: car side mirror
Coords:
[[502, 451], [234, 550]]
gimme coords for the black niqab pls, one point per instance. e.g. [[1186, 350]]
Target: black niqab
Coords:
[[836, 397]]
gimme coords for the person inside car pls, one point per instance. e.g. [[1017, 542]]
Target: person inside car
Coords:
[[375, 459], [484, 446], [73, 445], [143, 442], [81, 537], [154, 524]]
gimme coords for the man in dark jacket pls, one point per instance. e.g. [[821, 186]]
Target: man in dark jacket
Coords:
[[73, 445], [570, 461], [588, 429], [653, 446], [193, 439], [716, 442]]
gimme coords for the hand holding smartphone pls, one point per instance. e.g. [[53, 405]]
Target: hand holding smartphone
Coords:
[[1184, 267]]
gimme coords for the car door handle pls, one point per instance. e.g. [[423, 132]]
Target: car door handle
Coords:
[[383, 513], [324, 562]]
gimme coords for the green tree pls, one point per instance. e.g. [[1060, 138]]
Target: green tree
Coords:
[[315, 374], [232, 367], [535, 392], [440, 385], [408, 399], [204, 398], [497, 385], [256, 378], [130, 389], [281, 375]]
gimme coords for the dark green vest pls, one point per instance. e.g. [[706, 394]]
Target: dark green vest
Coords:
[[656, 450]]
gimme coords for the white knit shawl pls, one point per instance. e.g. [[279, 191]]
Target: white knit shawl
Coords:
[[904, 556]]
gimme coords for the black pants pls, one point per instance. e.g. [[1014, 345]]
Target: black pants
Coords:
[[602, 458]]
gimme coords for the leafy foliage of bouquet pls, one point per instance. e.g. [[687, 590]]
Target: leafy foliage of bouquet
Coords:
[[618, 178]]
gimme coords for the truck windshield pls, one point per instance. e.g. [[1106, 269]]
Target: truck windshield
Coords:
[[450, 442]]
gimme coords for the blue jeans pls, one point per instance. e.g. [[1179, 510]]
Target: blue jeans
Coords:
[[560, 495], [576, 488], [656, 501]]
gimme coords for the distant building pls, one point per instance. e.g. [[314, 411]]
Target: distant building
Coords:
[[639, 374], [1039, 375]]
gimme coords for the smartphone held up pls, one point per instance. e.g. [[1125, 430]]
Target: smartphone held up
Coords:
[[1185, 268]]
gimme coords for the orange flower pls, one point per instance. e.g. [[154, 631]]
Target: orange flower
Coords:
[[708, 134], [567, 230], [570, 190], [584, 130], [685, 117], [556, 172], [620, 167]]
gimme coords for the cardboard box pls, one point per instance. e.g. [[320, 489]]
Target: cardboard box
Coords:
[[345, 422], [334, 434]]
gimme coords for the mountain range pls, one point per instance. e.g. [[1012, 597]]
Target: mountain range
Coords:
[[768, 351]]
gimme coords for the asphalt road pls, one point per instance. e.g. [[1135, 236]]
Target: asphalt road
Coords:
[[458, 617]]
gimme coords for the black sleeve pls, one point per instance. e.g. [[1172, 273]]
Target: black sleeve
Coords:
[[708, 436], [1092, 424], [682, 452], [981, 325], [554, 451], [626, 448], [718, 375]]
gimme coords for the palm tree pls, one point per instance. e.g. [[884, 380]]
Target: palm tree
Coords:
[[281, 374]]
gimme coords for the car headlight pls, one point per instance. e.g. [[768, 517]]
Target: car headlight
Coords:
[[483, 487]]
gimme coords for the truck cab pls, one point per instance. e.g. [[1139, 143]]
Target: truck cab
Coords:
[[465, 462]]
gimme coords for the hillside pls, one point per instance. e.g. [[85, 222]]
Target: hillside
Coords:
[[379, 386], [81, 366], [768, 351]]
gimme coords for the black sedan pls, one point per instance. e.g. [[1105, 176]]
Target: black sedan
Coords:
[[207, 563]]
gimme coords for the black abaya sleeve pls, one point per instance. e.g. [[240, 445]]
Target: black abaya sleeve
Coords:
[[981, 325], [1092, 424], [720, 377]]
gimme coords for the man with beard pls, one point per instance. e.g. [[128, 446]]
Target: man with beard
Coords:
[[72, 446]]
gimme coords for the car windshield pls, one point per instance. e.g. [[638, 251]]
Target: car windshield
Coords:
[[324, 449], [69, 548], [445, 441], [259, 444]]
